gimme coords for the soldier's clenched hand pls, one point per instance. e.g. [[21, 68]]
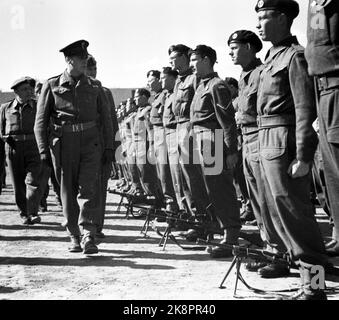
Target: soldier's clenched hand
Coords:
[[298, 169]]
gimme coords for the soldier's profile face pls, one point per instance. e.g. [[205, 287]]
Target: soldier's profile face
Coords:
[[24, 92], [177, 61], [238, 52], [196, 63], [91, 71], [140, 100], [167, 81], [268, 25], [153, 83]]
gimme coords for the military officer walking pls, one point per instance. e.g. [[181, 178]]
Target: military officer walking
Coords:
[[287, 141], [322, 54], [16, 124], [75, 105]]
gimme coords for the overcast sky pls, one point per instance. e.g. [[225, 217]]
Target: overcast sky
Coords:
[[127, 37]]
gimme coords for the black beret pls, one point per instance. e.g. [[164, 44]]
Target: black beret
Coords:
[[205, 51], [23, 80], [246, 36], [289, 7], [143, 92], [78, 48], [153, 73], [180, 48], [169, 71]]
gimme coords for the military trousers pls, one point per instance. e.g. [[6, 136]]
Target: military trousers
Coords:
[[218, 180], [290, 209], [252, 175], [192, 170], [162, 163], [132, 165], [182, 192], [319, 182], [80, 163], [145, 161], [27, 175], [328, 113]]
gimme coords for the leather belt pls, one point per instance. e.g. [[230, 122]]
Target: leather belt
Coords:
[[22, 137], [249, 128], [78, 127], [327, 82], [272, 121]]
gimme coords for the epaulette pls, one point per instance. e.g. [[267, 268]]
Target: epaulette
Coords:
[[6, 104], [94, 81]]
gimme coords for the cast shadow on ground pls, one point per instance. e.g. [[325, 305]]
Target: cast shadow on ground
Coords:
[[8, 289], [85, 261], [161, 255], [33, 227]]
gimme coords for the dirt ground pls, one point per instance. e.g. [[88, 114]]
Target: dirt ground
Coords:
[[35, 263]]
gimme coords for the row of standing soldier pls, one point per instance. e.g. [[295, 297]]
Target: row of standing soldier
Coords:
[[275, 109], [190, 114]]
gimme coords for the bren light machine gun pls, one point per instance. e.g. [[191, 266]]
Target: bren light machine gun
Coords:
[[242, 253], [132, 201]]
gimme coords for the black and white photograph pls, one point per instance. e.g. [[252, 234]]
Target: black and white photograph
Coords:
[[169, 155]]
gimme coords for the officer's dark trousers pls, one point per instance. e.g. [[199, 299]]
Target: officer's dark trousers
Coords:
[[290, 208], [253, 176], [219, 181], [25, 169], [182, 192], [329, 142], [80, 165], [192, 170], [162, 163]]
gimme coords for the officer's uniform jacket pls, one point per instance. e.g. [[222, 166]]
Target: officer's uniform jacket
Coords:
[[212, 109], [246, 102], [16, 119], [286, 96], [66, 102], [322, 51], [183, 96]]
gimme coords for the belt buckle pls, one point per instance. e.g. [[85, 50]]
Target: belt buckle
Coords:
[[77, 127], [24, 137], [322, 82]]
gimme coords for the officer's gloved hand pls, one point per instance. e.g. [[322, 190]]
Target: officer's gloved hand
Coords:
[[46, 161], [10, 142], [108, 156]]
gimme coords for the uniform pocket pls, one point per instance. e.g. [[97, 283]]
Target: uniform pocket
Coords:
[[271, 154], [273, 142], [279, 79]]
